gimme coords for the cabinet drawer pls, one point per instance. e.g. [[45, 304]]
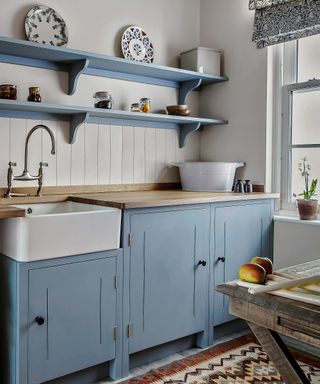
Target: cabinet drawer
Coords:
[[76, 309]]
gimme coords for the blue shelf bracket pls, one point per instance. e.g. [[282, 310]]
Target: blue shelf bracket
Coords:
[[75, 122], [76, 69], [185, 131], [186, 88]]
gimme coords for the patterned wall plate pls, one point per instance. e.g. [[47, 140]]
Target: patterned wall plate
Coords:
[[44, 25], [136, 45]]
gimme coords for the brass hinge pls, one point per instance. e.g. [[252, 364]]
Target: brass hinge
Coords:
[[115, 333], [129, 330], [130, 239], [116, 281]]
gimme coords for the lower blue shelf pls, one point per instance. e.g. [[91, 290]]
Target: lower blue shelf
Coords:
[[78, 115]]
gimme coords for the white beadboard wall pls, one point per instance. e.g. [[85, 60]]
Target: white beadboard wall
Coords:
[[102, 154]]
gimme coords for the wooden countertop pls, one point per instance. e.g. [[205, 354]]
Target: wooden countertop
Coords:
[[144, 199], [8, 212]]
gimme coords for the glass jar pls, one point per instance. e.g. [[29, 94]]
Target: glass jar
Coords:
[[145, 105], [8, 91], [34, 94], [135, 107], [103, 100]]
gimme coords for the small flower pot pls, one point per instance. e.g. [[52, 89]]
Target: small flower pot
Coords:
[[308, 209]]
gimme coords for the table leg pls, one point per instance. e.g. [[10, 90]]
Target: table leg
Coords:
[[279, 354]]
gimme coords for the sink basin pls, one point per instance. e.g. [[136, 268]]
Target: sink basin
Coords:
[[54, 230]]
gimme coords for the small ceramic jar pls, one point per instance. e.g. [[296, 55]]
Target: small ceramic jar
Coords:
[[8, 91], [34, 94]]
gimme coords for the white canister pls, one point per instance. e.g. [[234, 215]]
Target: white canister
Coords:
[[204, 60]]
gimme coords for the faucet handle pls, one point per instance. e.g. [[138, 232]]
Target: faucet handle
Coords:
[[43, 164], [12, 164]]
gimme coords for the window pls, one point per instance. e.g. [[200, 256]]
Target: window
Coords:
[[300, 63]]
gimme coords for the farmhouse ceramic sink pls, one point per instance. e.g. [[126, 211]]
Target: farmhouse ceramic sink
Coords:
[[54, 230]]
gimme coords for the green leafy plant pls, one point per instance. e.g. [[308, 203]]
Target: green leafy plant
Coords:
[[310, 189]]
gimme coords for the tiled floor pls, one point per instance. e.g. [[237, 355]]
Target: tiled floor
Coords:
[[177, 356]]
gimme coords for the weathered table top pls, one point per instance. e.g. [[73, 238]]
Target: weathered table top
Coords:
[[293, 308]]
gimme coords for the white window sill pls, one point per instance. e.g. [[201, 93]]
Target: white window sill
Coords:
[[293, 217]]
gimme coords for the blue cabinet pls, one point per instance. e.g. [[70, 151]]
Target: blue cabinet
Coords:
[[77, 303], [168, 265], [239, 232], [66, 318]]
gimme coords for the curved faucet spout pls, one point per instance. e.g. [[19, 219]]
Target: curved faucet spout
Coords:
[[35, 128]]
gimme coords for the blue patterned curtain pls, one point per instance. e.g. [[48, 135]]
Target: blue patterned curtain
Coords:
[[278, 21]]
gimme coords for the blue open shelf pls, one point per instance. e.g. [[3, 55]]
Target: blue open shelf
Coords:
[[77, 62], [78, 115]]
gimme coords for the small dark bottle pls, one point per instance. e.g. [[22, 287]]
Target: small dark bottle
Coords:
[[248, 188], [239, 187], [34, 94]]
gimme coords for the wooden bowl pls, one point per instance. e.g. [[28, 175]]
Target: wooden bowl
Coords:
[[178, 110]]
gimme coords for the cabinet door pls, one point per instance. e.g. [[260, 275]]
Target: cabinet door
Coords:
[[168, 288], [240, 233], [78, 305]]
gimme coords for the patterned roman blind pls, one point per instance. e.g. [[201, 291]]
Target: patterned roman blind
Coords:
[[278, 21]]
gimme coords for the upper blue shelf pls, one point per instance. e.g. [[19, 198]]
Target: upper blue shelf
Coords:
[[76, 62]]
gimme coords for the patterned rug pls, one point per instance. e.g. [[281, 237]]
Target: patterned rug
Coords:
[[240, 361]]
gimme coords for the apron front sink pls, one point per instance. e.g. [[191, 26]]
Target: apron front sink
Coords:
[[54, 230]]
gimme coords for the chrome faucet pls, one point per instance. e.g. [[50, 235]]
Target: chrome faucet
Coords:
[[26, 176]]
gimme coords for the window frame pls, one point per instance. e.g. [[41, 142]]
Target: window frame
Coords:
[[287, 146], [283, 81]]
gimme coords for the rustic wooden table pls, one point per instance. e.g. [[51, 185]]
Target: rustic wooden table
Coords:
[[268, 316]]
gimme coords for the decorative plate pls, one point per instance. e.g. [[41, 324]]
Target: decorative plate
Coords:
[[44, 25], [136, 45]]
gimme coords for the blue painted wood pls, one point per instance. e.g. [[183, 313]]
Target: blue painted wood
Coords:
[[78, 303], [169, 295], [76, 299], [239, 233], [76, 121], [77, 115], [185, 131], [186, 88], [45, 56], [8, 330], [76, 70]]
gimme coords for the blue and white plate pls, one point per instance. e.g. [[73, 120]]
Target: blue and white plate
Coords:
[[45, 26], [136, 45]]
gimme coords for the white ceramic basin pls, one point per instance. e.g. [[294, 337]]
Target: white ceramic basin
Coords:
[[54, 230]]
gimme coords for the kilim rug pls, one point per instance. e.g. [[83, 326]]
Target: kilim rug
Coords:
[[240, 361]]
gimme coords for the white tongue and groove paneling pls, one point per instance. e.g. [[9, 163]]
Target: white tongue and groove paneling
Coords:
[[102, 154], [128, 141]]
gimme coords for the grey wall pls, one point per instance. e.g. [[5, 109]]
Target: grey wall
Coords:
[[227, 24]]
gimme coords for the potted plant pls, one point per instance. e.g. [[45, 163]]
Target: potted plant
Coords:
[[307, 206]]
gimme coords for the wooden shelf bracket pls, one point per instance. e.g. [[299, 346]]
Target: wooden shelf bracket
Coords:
[[75, 122], [186, 88], [185, 131], [76, 69]]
